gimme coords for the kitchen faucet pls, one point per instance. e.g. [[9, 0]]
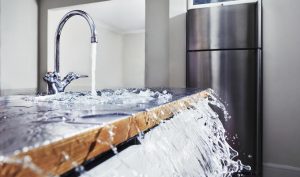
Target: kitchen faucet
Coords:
[[53, 79]]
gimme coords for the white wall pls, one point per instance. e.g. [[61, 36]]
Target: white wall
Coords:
[[157, 43], [165, 43], [177, 43], [281, 72], [18, 50], [109, 72], [134, 60]]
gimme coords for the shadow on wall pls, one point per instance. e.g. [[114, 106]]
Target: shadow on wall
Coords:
[[177, 51]]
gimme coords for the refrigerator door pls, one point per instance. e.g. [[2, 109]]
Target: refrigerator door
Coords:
[[223, 27], [233, 74]]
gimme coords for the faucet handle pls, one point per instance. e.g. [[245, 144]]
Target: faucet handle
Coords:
[[72, 76], [52, 77], [56, 85]]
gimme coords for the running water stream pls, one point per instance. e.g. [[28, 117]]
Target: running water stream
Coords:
[[93, 57]]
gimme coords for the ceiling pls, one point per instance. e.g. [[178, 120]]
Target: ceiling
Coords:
[[124, 16]]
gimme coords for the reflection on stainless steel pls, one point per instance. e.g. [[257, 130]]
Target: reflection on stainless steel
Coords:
[[53, 79], [228, 27], [233, 75], [224, 53]]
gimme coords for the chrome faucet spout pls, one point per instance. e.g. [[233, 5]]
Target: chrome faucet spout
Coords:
[[53, 79], [70, 14]]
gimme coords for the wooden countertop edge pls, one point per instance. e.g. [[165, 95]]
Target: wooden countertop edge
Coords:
[[61, 156]]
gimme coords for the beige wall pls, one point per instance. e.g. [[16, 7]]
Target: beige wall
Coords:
[[18, 49]]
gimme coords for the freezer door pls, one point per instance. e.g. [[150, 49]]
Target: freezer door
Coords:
[[223, 27], [233, 74]]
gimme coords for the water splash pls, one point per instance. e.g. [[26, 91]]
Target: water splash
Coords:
[[118, 97], [93, 57], [191, 144]]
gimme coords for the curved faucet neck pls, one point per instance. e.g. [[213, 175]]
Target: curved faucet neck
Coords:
[[60, 27]]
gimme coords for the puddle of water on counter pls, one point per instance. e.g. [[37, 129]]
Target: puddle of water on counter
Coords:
[[120, 96]]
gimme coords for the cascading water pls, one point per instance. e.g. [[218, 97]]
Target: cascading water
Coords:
[[93, 57], [191, 144]]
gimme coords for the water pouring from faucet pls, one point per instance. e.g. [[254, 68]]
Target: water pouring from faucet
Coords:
[[53, 79]]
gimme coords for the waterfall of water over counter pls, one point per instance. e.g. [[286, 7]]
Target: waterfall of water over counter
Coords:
[[191, 144]]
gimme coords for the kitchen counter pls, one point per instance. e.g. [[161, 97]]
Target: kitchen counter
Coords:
[[39, 136]]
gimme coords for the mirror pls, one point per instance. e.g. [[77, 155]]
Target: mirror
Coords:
[[120, 60]]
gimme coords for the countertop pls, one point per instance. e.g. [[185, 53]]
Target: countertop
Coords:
[[56, 133]]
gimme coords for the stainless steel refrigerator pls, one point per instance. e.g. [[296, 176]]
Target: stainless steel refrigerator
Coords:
[[224, 53]]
